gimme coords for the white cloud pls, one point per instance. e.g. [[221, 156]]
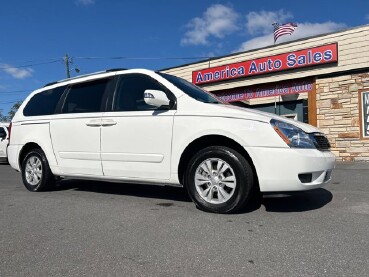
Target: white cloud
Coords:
[[261, 22], [257, 42], [17, 73], [217, 21], [303, 30], [85, 2]]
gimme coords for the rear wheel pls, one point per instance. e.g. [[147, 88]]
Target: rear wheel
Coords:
[[36, 173], [219, 179]]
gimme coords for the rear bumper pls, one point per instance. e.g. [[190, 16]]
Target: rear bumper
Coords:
[[288, 169], [13, 153]]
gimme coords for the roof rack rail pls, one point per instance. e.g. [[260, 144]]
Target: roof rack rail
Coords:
[[50, 84], [115, 69], [85, 75]]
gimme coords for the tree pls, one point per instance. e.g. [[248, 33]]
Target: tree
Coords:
[[14, 109], [11, 113], [2, 117]]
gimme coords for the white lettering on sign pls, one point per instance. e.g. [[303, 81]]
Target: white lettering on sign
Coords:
[[267, 90], [324, 54]]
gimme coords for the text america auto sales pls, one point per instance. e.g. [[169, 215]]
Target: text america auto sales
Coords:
[[297, 59]]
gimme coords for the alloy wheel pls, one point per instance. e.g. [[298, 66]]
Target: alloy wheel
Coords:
[[215, 181]]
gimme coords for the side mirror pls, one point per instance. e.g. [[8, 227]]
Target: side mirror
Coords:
[[156, 98]]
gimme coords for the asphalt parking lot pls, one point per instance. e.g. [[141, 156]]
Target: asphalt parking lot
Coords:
[[86, 228]]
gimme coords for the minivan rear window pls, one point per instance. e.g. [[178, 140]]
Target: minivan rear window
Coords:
[[43, 103]]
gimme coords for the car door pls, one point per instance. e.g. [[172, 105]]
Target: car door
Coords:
[[75, 132], [136, 138]]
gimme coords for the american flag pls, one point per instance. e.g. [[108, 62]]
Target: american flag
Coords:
[[284, 29]]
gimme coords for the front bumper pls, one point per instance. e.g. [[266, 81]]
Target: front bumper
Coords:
[[290, 169]]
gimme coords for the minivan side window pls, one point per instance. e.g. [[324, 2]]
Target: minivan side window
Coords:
[[43, 103], [85, 97], [129, 95]]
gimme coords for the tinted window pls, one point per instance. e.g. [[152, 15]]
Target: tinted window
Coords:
[[43, 103], [192, 90], [85, 97], [130, 93], [2, 132]]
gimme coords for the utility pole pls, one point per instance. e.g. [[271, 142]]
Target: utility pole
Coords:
[[67, 61]]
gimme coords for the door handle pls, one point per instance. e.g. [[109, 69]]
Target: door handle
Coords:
[[108, 122], [94, 123]]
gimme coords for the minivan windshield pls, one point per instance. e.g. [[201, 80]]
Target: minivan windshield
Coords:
[[190, 89]]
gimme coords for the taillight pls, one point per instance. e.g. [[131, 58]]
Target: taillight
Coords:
[[9, 132]]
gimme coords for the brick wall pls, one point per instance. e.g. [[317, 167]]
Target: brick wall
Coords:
[[338, 115]]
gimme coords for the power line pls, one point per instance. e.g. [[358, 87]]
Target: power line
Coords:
[[28, 65], [41, 60], [11, 102], [55, 60], [15, 91], [141, 58]]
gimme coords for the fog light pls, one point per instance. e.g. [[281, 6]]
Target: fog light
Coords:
[[306, 177], [327, 176]]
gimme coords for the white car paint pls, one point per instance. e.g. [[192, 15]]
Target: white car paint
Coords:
[[146, 147], [76, 143], [137, 137]]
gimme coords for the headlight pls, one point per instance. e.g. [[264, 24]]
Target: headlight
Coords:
[[292, 135]]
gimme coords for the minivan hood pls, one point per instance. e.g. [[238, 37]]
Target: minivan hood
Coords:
[[268, 116], [217, 110]]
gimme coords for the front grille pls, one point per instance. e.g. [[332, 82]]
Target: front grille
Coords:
[[321, 142]]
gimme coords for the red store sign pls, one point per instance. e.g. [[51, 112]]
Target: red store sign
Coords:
[[297, 59], [267, 90]]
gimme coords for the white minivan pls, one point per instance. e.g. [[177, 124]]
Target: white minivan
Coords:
[[141, 126], [3, 142]]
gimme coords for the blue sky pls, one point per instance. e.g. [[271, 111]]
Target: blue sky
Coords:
[[97, 34]]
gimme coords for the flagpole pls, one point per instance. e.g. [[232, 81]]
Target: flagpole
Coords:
[[274, 27]]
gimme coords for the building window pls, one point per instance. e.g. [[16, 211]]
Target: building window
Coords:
[[364, 114]]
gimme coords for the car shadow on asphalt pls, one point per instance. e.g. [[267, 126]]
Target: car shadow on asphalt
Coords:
[[281, 202], [297, 202], [139, 190]]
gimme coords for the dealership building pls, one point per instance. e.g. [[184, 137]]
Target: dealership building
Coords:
[[321, 80]]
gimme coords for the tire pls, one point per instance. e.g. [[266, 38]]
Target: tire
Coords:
[[36, 173], [219, 180]]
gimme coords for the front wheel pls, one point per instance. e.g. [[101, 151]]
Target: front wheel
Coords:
[[219, 179], [36, 173]]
